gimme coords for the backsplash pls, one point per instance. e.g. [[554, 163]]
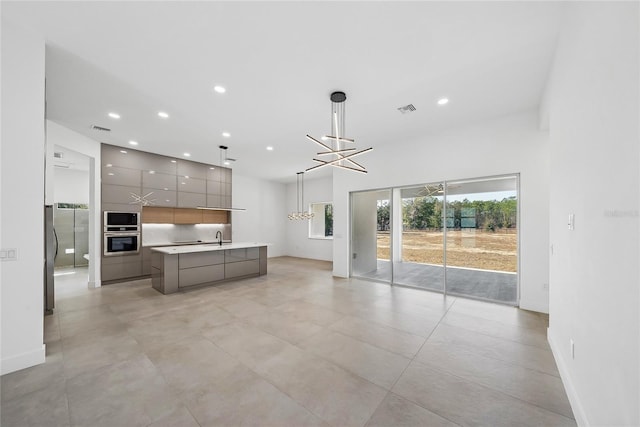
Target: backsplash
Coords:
[[162, 234]]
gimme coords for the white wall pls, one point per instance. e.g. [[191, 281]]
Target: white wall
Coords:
[[22, 198], [265, 217], [512, 144], [594, 276], [71, 186], [64, 137], [298, 242]]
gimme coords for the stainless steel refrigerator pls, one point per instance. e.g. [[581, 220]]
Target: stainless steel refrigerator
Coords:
[[50, 250]]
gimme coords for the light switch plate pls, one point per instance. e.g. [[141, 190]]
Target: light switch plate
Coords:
[[572, 222], [9, 254]]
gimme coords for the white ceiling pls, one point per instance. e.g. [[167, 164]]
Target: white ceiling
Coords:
[[279, 62]]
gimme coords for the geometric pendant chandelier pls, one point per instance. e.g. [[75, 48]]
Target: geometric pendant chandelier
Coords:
[[339, 150]]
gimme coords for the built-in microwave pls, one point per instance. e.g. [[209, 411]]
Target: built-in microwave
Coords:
[[121, 221], [121, 243]]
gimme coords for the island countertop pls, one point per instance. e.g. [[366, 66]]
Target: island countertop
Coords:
[[187, 249]]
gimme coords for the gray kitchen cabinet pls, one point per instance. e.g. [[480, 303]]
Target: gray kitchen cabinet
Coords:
[[214, 173], [200, 275], [191, 200], [122, 157], [168, 198], [192, 169], [153, 179], [121, 267], [242, 254], [159, 164], [242, 268], [121, 176], [199, 259], [214, 201], [215, 188], [121, 207], [192, 185], [146, 260], [120, 194], [226, 176]]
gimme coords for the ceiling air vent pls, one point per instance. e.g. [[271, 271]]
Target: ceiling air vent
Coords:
[[407, 109], [58, 154], [100, 128]]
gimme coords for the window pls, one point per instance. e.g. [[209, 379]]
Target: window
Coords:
[[321, 225]]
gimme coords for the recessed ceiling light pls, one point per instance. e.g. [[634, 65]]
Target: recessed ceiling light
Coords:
[[226, 134], [443, 101], [226, 162], [123, 151], [163, 115], [187, 154], [114, 115], [269, 148], [133, 142], [219, 89], [324, 138]]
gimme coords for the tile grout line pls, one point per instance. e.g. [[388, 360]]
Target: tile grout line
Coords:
[[265, 379], [478, 383], [389, 391]]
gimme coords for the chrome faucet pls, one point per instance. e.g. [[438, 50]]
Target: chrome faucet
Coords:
[[219, 237]]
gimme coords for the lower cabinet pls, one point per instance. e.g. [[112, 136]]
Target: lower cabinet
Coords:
[[171, 272], [199, 275], [121, 267], [241, 268]]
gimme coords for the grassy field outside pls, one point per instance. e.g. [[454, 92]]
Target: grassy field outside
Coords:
[[486, 250]]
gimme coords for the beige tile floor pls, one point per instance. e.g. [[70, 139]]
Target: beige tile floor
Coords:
[[294, 348]]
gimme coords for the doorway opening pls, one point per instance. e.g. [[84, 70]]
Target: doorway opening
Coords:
[[71, 218]]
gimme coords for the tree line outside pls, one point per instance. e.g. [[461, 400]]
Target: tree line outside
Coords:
[[425, 213]]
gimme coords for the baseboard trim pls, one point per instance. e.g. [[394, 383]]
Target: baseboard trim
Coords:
[[574, 400], [24, 360]]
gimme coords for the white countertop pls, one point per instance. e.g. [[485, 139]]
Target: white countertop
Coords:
[[186, 242], [186, 249]]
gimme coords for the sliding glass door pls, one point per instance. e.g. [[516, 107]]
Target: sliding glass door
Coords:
[[458, 237], [482, 238], [419, 260], [371, 235]]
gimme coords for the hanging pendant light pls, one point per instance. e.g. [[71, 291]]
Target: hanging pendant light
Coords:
[[341, 156], [301, 212]]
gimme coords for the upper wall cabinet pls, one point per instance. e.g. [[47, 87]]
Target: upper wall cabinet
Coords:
[[161, 180], [160, 164], [192, 185], [192, 169], [122, 157], [121, 176]]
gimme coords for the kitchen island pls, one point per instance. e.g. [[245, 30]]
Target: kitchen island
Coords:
[[175, 268]]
